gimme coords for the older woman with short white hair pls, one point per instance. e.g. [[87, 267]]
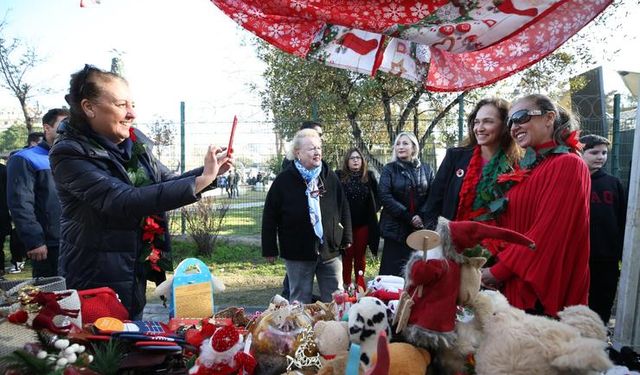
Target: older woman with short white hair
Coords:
[[306, 221], [403, 189]]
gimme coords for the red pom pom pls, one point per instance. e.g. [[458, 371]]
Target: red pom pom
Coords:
[[18, 317]]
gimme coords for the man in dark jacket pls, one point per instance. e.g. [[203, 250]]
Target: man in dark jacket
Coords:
[[32, 199]]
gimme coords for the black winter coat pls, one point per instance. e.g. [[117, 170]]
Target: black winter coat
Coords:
[[397, 186], [373, 206], [286, 228], [444, 195], [101, 234]]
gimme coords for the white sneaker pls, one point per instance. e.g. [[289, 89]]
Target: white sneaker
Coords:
[[20, 265], [14, 269]]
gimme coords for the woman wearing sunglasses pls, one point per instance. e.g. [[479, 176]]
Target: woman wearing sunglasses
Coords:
[[548, 201], [466, 182], [404, 187], [306, 221], [361, 189]]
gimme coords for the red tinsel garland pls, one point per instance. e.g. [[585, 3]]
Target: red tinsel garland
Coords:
[[467, 193]]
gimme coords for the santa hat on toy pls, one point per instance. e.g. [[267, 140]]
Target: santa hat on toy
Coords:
[[223, 354], [457, 236]]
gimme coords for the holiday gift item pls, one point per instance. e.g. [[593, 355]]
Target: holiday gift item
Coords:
[[101, 302], [433, 279], [367, 319], [537, 344], [192, 290]]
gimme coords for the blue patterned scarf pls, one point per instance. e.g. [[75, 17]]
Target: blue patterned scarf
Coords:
[[310, 178]]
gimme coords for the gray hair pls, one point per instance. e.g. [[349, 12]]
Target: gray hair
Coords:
[[297, 141], [416, 147]]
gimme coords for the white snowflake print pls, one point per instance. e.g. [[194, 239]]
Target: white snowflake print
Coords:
[[295, 42], [490, 66], [298, 4], [554, 27], [394, 11], [539, 38], [443, 77], [483, 58], [255, 12], [523, 37], [419, 10], [476, 68], [518, 49], [240, 18], [291, 29], [499, 52], [276, 31]]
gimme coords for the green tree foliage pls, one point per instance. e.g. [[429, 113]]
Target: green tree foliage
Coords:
[[13, 138], [355, 108]]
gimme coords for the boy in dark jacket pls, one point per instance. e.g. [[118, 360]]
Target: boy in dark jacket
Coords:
[[608, 217]]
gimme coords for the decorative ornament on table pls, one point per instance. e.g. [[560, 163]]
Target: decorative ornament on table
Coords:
[[385, 287], [331, 338], [49, 355], [306, 355], [433, 279], [224, 353], [44, 307], [367, 319]]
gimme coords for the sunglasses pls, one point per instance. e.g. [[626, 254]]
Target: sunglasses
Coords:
[[523, 116]]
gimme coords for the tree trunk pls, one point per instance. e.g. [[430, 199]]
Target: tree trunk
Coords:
[[361, 144], [28, 120], [439, 117]]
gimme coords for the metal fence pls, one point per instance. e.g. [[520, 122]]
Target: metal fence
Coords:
[[258, 151]]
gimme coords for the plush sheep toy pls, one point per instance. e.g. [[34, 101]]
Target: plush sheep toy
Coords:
[[517, 343]]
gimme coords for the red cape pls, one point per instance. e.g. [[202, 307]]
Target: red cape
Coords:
[[552, 208]]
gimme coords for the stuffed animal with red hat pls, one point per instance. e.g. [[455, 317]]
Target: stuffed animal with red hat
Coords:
[[223, 354], [432, 279]]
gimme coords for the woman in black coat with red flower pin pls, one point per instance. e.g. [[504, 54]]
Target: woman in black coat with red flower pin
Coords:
[[465, 184], [114, 192]]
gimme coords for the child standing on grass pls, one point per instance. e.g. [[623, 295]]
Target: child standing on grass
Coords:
[[608, 217]]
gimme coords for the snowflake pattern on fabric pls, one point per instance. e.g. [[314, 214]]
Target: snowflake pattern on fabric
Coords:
[[447, 45]]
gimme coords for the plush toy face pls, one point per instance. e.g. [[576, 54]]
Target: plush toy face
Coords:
[[367, 319], [470, 280], [332, 337]]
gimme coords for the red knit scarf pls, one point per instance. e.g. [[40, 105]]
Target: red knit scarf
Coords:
[[467, 193]]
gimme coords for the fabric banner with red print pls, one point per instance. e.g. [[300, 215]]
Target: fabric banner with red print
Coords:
[[447, 45]]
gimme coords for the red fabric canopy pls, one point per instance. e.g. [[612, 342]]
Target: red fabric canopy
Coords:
[[449, 45]]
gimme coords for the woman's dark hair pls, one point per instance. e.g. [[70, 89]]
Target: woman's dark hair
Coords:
[[564, 123], [507, 143], [86, 84], [346, 172]]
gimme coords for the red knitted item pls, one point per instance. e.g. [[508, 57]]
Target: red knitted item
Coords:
[[100, 302], [468, 190]]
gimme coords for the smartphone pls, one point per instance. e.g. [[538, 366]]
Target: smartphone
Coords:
[[233, 131]]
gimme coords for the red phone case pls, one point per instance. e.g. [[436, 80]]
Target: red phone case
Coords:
[[233, 131]]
